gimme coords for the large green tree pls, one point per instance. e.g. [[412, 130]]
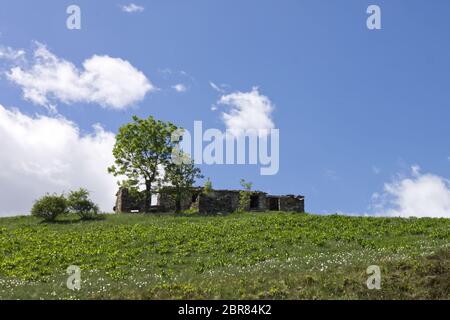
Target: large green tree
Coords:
[[181, 174], [143, 147]]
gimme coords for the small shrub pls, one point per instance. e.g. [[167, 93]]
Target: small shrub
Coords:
[[49, 207], [244, 201], [246, 185], [80, 204], [244, 196], [207, 187]]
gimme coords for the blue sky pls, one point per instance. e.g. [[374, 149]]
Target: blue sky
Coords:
[[356, 108]]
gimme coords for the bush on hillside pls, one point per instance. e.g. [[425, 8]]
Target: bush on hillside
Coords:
[[49, 207], [245, 196], [207, 188], [79, 203]]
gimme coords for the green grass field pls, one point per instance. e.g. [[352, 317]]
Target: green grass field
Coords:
[[240, 256]]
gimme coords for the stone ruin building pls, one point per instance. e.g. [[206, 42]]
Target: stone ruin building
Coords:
[[213, 202]]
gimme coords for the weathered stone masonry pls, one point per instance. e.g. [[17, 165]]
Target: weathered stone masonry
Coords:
[[214, 202]]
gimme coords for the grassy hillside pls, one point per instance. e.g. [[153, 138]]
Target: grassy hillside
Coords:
[[252, 256]]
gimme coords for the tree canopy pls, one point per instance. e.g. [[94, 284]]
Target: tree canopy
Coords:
[[142, 150]]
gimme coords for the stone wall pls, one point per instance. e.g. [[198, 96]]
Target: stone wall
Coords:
[[227, 201], [216, 201], [292, 203], [127, 202], [189, 199], [262, 201]]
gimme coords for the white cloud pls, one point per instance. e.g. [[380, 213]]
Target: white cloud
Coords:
[[111, 82], [419, 195], [43, 154], [248, 111], [9, 53], [216, 87], [415, 170], [180, 87], [376, 170], [132, 8]]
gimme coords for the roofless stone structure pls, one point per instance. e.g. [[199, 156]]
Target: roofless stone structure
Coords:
[[213, 202]]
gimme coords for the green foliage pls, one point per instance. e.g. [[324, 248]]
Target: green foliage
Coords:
[[208, 187], [246, 185], [244, 201], [142, 147], [80, 204], [49, 207], [182, 175], [245, 256], [190, 212], [244, 196]]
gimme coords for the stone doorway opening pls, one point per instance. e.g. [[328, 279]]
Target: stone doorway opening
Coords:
[[274, 204], [254, 202]]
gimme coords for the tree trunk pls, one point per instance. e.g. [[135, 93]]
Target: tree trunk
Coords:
[[148, 196]]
